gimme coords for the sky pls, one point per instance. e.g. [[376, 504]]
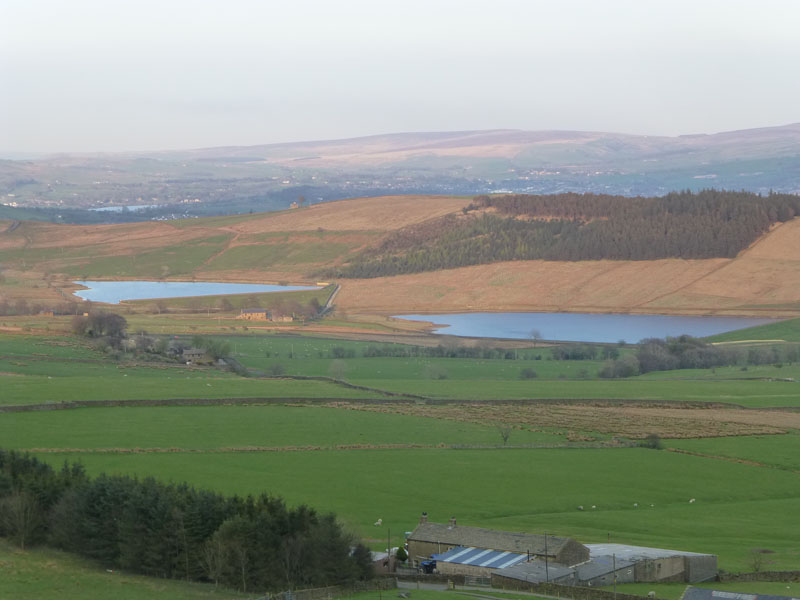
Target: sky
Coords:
[[94, 75]]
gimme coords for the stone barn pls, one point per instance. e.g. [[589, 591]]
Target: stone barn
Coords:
[[660, 565], [255, 314], [438, 538]]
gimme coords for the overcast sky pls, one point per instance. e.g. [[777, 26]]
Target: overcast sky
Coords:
[[97, 75]]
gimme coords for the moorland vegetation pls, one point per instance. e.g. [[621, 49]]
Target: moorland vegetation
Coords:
[[577, 227]]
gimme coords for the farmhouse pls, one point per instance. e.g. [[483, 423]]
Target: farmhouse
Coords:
[[193, 354], [439, 539], [255, 314]]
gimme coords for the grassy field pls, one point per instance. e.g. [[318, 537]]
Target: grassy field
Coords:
[[739, 507], [221, 427], [237, 301], [53, 369], [46, 573], [369, 465], [781, 452], [788, 330], [673, 591]]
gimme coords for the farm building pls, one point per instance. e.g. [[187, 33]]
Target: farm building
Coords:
[[437, 538], [475, 561], [599, 570], [193, 354], [630, 564], [657, 564], [255, 314]]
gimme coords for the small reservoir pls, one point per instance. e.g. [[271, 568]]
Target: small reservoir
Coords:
[[581, 327], [112, 292]]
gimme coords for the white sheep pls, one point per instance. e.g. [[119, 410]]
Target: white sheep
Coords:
[[691, 501], [593, 506], [580, 507], [378, 523], [635, 505]]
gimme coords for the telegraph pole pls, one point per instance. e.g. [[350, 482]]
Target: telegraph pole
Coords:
[[546, 562], [614, 573]]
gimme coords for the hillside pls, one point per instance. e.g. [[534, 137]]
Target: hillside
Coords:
[[230, 180], [39, 260]]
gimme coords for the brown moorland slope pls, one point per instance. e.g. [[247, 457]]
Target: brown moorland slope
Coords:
[[291, 245], [764, 279]]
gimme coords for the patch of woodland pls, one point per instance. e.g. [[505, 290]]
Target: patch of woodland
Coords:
[[174, 530], [578, 227]]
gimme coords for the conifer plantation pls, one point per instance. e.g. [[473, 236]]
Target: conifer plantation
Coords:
[[175, 531], [577, 227]]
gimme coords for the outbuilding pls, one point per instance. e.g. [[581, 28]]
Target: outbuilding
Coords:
[[437, 538]]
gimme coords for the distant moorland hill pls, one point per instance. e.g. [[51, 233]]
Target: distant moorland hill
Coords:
[[230, 180]]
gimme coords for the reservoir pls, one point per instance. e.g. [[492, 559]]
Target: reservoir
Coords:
[[581, 327], [113, 292]]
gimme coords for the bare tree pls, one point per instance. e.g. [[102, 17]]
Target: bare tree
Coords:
[[214, 559], [505, 432], [536, 336], [337, 369], [20, 517]]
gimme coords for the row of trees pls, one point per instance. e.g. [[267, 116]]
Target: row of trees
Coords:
[[175, 531], [572, 227], [686, 352], [21, 306]]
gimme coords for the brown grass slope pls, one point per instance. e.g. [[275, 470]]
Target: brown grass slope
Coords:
[[290, 245], [764, 279]]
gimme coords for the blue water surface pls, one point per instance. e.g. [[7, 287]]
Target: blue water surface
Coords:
[[112, 292], [581, 327]]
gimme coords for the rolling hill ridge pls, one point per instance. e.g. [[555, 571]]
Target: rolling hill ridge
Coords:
[[39, 260]]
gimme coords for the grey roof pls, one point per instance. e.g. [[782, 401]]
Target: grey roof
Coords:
[[635, 553], [601, 565], [477, 537], [695, 593], [537, 571], [478, 557], [251, 311]]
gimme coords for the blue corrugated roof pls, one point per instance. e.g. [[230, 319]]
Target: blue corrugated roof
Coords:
[[478, 557]]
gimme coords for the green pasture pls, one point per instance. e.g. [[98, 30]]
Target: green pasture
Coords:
[[180, 259], [239, 301], [145, 384], [47, 573], [51, 369], [779, 451], [738, 507], [755, 394], [788, 330], [219, 427], [769, 371], [37, 370], [674, 591]]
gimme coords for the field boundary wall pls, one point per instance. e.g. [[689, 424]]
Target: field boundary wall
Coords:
[[788, 576], [335, 591]]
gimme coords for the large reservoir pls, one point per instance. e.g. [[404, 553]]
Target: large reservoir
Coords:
[[581, 327], [112, 292]]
